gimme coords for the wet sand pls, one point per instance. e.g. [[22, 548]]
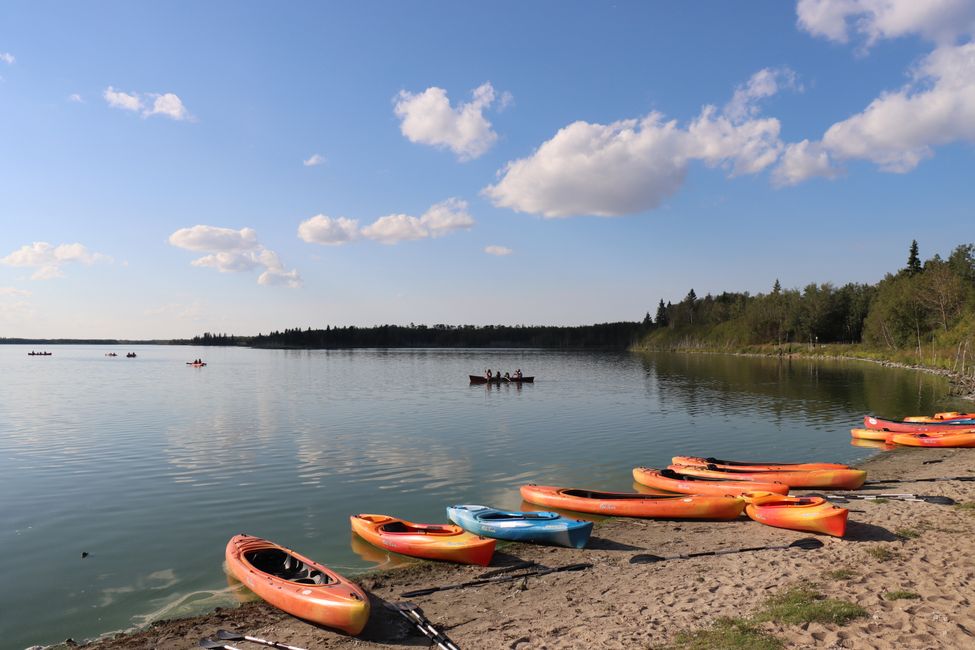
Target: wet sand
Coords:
[[616, 604]]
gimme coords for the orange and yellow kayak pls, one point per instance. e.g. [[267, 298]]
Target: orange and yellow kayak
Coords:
[[814, 514], [671, 481], [429, 541], [297, 585], [903, 426], [961, 439], [631, 504], [752, 466], [939, 417], [842, 479], [872, 444], [870, 434]]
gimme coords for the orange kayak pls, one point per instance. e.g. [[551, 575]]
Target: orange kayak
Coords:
[[903, 426], [871, 434], [429, 541], [752, 466], [962, 439], [631, 504], [872, 444], [814, 514], [842, 479], [940, 417], [671, 481], [297, 585]]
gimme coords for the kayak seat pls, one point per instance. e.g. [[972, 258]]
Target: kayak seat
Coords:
[[397, 527]]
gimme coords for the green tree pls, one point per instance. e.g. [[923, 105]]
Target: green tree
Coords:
[[913, 261]]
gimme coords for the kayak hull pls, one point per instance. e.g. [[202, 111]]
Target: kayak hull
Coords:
[[445, 542], [901, 426], [529, 527], [812, 514], [477, 379], [753, 466], [310, 591], [934, 439], [672, 481], [629, 504], [870, 434], [838, 479]]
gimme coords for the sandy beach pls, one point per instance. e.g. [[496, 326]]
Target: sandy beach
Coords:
[[919, 554]]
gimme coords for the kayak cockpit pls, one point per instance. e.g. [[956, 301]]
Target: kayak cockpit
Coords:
[[281, 565], [592, 494], [497, 515]]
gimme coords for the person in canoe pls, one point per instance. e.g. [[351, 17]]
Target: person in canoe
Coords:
[[518, 373], [487, 374], [507, 376]]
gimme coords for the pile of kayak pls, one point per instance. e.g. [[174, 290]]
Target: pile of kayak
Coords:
[[940, 430]]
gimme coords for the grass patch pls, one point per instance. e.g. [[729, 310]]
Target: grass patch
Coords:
[[841, 574], [803, 604], [727, 634], [882, 553], [907, 533], [968, 506], [901, 595]]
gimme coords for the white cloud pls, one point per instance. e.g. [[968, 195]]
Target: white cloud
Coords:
[[11, 291], [442, 218], [395, 228], [7, 58], [764, 83], [314, 161], [428, 118], [234, 251], [125, 101], [940, 21], [76, 98], [500, 251], [801, 161], [900, 129], [49, 259], [148, 104], [322, 229], [447, 216]]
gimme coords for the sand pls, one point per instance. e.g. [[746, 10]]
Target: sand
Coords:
[[616, 604]]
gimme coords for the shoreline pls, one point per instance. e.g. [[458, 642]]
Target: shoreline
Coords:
[[891, 547]]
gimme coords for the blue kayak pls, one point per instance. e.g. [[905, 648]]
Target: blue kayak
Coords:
[[534, 527]]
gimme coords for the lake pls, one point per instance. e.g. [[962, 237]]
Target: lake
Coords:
[[150, 466]]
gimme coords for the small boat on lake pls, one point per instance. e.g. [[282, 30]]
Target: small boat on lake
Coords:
[[531, 527], [39, 354], [479, 379], [296, 584], [429, 541], [130, 355], [196, 364]]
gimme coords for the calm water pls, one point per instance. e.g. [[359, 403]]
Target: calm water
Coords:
[[151, 466]]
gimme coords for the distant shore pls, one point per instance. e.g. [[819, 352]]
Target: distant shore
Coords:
[[907, 564]]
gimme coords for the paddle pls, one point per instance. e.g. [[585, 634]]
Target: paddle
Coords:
[[210, 643], [414, 615], [940, 500], [806, 544], [226, 635], [920, 480], [540, 571]]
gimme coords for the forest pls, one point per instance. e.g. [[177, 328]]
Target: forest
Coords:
[[923, 313]]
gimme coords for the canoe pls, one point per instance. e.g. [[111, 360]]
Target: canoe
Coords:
[[960, 439], [297, 585], [671, 481], [940, 417], [195, 365], [814, 514], [902, 426], [631, 504], [837, 479], [752, 466], [531, 527], [429, 541], [478, 379]]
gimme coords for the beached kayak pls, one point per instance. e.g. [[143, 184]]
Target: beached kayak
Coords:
[[941, 417], [873, 444], [631, 504], [429, 541], [297, 585], [870, 434], [532, 527], [814, 514], [671, 481], [903, 426], [841, 479], [960, 439], [752, 466]]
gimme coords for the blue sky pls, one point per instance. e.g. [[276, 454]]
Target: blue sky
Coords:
[[240, 167]]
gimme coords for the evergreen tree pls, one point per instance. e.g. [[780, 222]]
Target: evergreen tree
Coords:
[[913, 261], [662, 320], [777, 287]]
